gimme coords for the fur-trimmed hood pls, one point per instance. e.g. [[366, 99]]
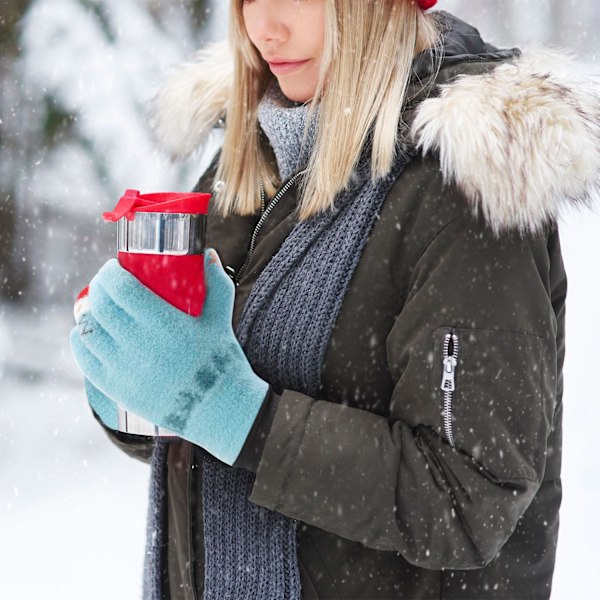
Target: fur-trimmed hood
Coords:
[[521, 138]]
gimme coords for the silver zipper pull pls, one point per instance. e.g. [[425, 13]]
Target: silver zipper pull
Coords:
[[448, 374], [449, 363]]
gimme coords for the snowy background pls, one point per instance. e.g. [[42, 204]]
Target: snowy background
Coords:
[[75, 79]]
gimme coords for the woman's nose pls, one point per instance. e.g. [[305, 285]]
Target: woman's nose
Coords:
[[273, 31], [268, 24]]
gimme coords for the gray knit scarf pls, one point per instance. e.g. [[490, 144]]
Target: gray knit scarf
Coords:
[[250, 551]]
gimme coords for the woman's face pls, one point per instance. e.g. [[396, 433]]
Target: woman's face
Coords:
[[289, 34]]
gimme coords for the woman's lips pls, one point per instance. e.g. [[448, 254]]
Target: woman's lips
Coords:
[[283, 67]]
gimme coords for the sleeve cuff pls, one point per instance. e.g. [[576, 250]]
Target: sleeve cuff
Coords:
[[252, 450]]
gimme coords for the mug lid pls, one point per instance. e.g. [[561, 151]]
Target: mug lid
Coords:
[[132, 202]]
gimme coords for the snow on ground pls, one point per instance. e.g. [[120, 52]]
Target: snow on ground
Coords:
[[72, 507]]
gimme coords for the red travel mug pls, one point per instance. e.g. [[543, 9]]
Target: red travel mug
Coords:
[[161, 240]]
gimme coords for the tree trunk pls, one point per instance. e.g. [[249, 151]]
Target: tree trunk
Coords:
[[13, 273]]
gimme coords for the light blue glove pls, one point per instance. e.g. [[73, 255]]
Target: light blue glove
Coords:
[[187, 374], [104, 407]]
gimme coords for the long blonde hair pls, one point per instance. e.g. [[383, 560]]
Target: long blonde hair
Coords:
[[369, 49]]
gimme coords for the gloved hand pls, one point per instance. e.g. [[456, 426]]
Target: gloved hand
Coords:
[[187, 374], [103, 406]]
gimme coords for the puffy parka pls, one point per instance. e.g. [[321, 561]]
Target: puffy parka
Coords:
[[401, 489]]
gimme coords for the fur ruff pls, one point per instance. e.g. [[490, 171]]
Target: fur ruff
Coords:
[[521, 141], [191, 101]]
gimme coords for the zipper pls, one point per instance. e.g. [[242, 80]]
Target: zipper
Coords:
[[266, 211], [191, 490], [450, 350], [262, 196]]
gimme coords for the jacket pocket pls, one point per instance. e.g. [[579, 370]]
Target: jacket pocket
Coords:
[[496, 403]]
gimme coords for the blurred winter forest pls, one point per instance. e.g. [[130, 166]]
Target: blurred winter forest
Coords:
[[75, 79]]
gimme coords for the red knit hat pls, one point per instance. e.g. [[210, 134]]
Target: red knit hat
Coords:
[[425, 4]]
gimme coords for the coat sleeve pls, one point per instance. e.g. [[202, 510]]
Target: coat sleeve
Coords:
[[398, 483]]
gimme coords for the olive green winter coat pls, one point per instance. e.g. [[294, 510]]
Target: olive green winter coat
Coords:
[[402, 490]]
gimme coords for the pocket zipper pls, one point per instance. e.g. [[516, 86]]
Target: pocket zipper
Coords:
[[449, 364]]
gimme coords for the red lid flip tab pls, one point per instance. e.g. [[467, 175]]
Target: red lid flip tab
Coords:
[[166, 202], [125, 207]]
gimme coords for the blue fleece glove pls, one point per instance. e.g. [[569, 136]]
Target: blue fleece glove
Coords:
[[187, 374], [104, 407]]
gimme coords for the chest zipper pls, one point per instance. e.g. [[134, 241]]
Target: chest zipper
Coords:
[[266, 211], [450, 351]]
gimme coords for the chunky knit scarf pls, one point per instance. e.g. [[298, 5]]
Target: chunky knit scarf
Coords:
[[250, 551]]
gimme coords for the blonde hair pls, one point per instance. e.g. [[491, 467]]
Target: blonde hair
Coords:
[[369, 49]]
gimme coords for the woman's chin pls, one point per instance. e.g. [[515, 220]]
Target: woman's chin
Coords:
[[296, 93]]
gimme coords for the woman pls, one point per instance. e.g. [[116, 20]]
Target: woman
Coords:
[[385, 422]]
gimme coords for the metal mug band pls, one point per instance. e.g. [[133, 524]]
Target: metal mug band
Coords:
[[176, 234], [131, 423]]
